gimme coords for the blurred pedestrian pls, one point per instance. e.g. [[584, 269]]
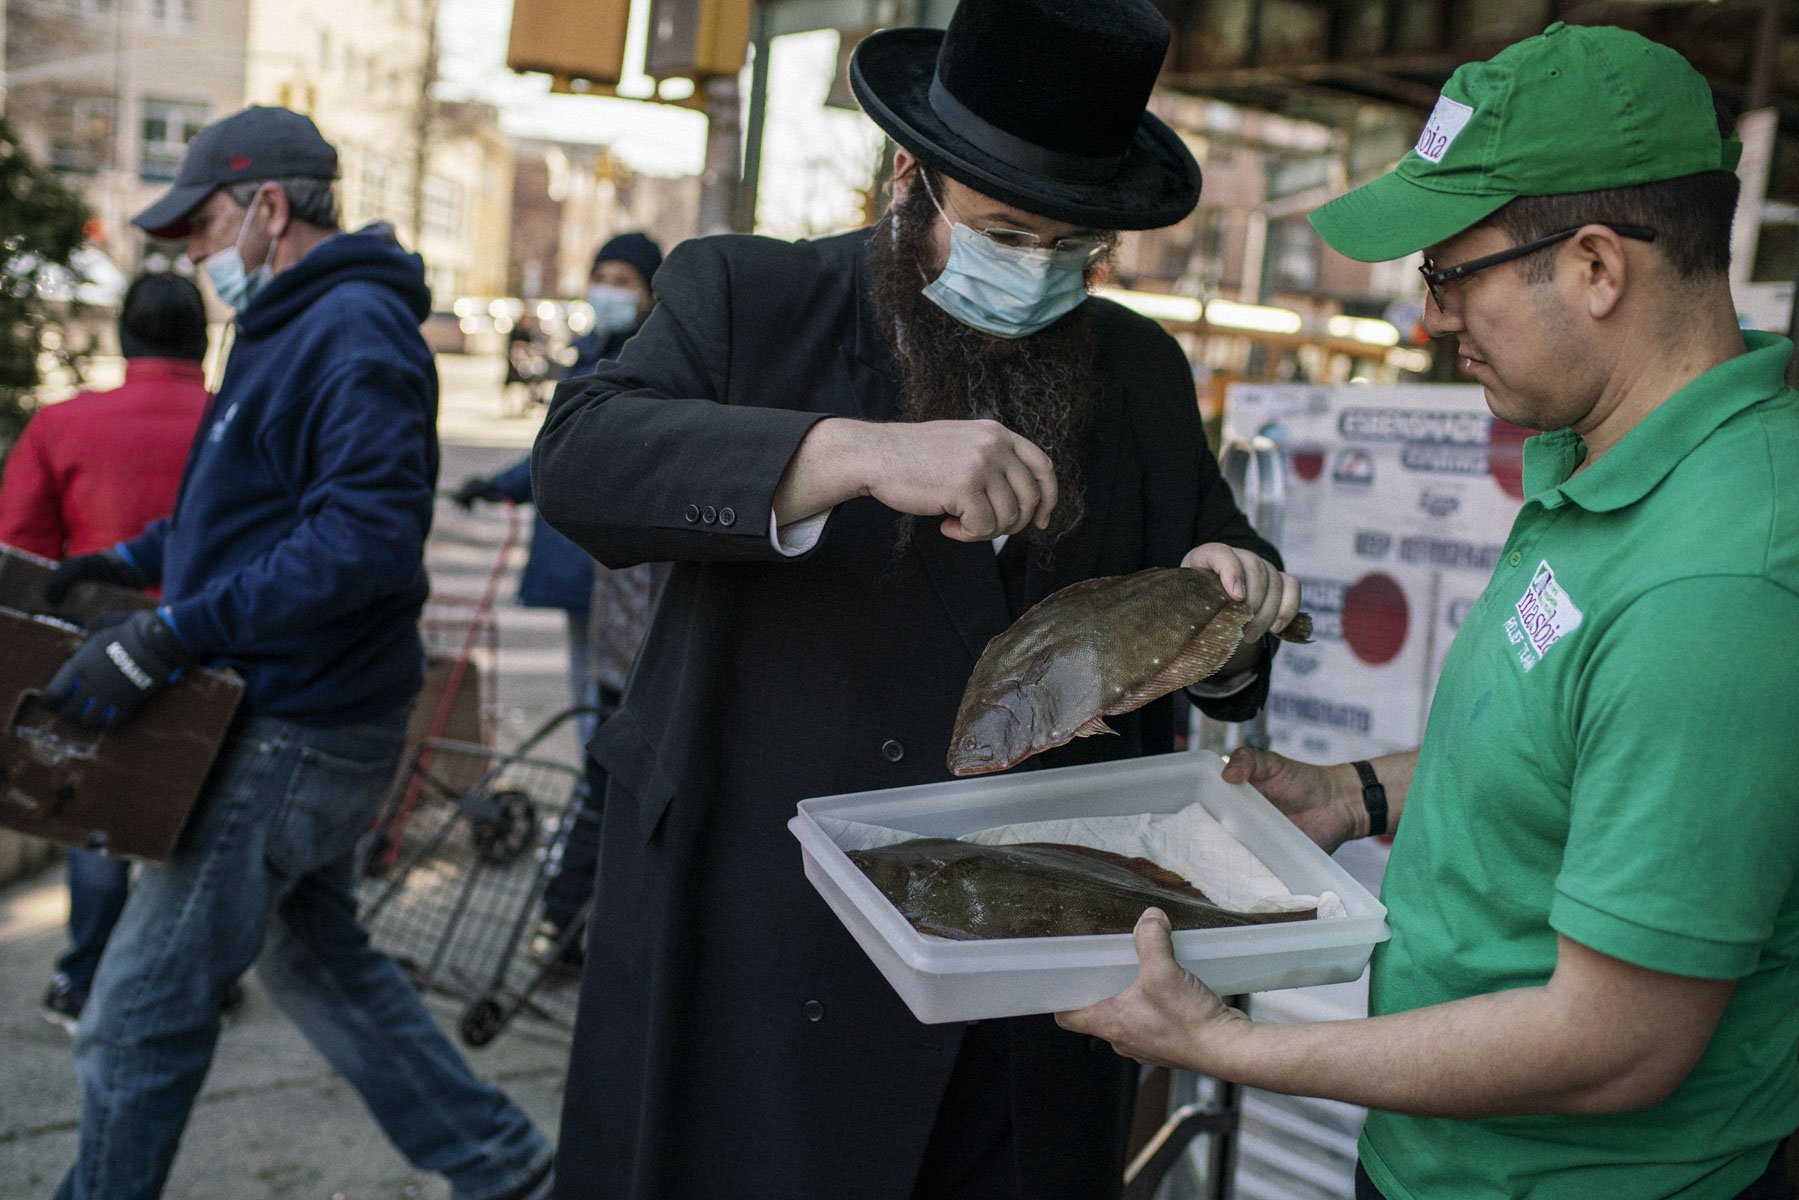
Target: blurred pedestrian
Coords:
[[1592, 985], [619, 293], [295, 556], [623, 601], [558, 573], [85, 475], [863, 456], [527, 366]]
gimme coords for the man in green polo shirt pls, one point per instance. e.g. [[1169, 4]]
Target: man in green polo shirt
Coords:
[[1592, 989]]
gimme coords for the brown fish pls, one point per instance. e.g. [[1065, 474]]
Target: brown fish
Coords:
[[1090, 651], [1037, 889]]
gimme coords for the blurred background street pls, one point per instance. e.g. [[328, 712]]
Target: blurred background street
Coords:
[[273, 1121]]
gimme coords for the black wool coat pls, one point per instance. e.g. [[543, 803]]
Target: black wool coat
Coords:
[[733, 1041]]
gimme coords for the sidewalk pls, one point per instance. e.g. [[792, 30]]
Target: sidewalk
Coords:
[[273, 1122]]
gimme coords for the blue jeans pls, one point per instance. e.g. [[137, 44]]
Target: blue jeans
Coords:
[[267, 867], [97, 890]]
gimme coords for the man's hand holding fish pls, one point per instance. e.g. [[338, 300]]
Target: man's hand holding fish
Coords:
[[1167, 1018], [1271, 594]]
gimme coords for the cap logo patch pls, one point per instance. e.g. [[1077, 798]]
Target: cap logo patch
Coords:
[[1447, 120], [240, 162]]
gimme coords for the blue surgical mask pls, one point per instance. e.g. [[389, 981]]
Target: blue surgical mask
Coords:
[[235, 285], [1007, 291], [614, 308]]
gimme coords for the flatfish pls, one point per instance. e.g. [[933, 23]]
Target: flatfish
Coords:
[[1092, 650], [965, 891]]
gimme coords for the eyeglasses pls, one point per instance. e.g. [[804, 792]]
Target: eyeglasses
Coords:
[[1435, 277], [1087, 249]]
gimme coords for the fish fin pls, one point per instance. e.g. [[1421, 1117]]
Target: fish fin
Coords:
[[1147, 869], [1039, 667], [1210, 647], [1298, 630], [1093, 726]]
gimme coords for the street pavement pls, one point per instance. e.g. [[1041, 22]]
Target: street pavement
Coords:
[[273, 1121]]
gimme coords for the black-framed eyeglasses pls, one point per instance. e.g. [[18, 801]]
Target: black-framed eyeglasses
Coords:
[[1435, 277], [1088, 250]]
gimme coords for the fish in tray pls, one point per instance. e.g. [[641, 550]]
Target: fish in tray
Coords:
[[965, 891], [1092, 650]]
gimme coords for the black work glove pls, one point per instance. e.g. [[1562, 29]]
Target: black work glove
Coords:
[[115, 671], [477, 487], [108, 566]]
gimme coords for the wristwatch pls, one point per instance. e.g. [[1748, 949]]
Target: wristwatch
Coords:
[[1374, 797]]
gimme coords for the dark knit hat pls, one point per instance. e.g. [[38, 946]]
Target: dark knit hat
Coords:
[[635, 249]]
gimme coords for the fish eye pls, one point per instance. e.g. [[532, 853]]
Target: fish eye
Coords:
[[968, 742]]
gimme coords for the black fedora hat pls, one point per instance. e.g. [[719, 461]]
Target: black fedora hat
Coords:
[[1039, 104]]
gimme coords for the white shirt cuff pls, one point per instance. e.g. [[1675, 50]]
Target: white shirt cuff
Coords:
[[798, 536]]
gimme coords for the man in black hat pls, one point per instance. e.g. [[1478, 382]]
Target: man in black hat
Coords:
[[295, 556], [864, 456]]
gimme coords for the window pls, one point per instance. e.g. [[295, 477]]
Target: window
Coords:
[[176, 16], [373, 185], [82, 139], [1293, 255], [443, 207], [166, 127]]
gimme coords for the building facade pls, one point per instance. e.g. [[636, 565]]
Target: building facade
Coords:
[[569, 197], [109, 92]]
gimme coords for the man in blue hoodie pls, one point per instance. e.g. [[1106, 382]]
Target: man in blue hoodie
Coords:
[[295, 556]]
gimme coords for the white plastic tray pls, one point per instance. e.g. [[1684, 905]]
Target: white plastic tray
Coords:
[[944, 980]]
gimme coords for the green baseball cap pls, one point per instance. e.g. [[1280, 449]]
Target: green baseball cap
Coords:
[[1575, 109]]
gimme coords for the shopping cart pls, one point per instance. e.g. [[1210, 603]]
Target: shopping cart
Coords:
[[482, 837], [459, 699]]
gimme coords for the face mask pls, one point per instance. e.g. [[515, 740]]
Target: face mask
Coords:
[[234, 285], [1004, 291], [614, 308]]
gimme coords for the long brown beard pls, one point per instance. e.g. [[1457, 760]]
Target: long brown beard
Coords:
[[1042, 387]]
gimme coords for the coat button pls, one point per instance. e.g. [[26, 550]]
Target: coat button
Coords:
[[1515, 558], [814, 1010], [709, 514], [691, 512], [892, 751], [727, 516]]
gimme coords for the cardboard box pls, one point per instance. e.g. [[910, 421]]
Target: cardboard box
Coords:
[[127, 792], [943, 980]]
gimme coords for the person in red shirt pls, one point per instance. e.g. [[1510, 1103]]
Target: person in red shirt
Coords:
[[85, 475]]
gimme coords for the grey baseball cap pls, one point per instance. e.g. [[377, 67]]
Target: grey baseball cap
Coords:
[[258, 143]]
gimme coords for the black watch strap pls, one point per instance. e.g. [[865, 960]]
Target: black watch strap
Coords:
[[1374, 797]]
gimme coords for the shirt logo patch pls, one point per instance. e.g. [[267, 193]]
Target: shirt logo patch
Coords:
[[1447, 120], [1546, 615]]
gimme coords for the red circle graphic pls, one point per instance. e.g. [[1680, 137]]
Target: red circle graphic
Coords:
[[1505, 456], [1375, 618]]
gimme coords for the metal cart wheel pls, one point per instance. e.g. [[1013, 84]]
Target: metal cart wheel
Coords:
[[481, 1022], [506, 828]]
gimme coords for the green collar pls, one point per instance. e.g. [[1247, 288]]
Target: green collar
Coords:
[[1645, 455]]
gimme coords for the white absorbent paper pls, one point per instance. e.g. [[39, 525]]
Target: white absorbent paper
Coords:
[[1189, 842]]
